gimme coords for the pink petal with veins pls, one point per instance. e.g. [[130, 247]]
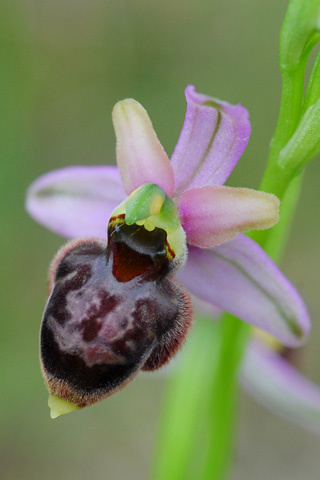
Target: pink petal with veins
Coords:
[[140, 156], [214, 136], [213, 215], [76, 201]]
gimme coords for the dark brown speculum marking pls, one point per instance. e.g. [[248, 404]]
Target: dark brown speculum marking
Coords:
[[113, 310]]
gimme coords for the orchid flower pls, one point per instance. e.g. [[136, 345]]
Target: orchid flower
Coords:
[[116, 307], [269, 376]]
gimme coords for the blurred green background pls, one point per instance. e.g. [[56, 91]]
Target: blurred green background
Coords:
[[63, 66]]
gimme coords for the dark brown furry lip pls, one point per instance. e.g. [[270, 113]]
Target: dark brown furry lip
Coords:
[[113, 310]]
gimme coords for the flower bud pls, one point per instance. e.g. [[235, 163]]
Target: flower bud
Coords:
[[304, 145], [299, 33]]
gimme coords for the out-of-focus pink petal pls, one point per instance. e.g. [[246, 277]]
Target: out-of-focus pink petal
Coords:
[[240, 278], [213, 215], [76, 201], [212, 140], [276, 384], [140, 156]]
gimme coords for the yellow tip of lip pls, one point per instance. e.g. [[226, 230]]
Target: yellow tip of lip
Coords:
[[58, 406]]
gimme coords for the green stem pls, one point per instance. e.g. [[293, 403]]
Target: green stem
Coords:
[[214, 391], [221, 411], [235, 333], [290, 111], [276, 179], [279, 182], [276, 241]]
